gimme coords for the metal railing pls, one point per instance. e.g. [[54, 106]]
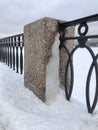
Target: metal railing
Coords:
[[11, 52], [82, 43]]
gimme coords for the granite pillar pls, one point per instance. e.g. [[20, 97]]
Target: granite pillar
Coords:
[[39, 37]]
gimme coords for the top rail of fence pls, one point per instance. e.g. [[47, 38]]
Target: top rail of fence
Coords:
[[88, 19], [17, 35]]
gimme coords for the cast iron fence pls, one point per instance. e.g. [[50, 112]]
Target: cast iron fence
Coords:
[[11, 52], [82, 40]]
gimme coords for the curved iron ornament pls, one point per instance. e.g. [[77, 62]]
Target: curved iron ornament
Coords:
[[68, 89], [94, 64], [82, 40]]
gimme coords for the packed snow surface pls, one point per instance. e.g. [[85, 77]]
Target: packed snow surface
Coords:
[[20, 109]]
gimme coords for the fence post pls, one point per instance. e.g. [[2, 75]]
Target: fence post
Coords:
[[39, 37]]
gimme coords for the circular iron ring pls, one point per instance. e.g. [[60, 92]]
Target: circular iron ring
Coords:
[[85, 29]]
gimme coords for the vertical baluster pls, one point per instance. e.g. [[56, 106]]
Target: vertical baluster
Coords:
[[2, 50], [0, 53], [14, 43], [10, 52], [21, 55], [17, 58], [5, 52], [8, 49]]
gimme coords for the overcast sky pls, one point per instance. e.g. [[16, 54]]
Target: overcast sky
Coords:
[[14, 14]]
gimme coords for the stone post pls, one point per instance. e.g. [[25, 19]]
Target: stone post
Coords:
[[39, 37]]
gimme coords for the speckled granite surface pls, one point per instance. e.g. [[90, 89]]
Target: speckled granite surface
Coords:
[[39, 37]]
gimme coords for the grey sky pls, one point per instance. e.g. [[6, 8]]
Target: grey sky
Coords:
[[14, 14]]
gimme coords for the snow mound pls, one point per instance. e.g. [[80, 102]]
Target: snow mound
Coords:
[[20, 109]]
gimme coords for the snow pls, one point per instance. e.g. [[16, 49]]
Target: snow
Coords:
[[52, 73], [20, 109]]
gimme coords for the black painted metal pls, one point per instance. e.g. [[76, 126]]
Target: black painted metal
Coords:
[[88, 19], [21, 55], [82, 40], [8, 49], [9, 52], [17, 58], [14, 52]]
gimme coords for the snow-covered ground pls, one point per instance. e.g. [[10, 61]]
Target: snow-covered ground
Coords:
[[20, 109]]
